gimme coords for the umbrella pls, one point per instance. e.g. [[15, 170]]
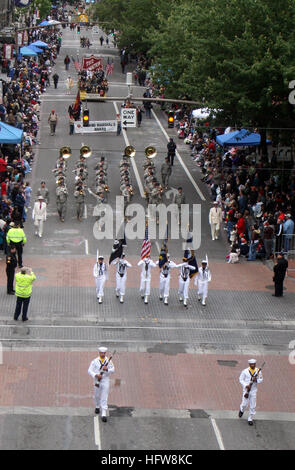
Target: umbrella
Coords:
[[27, 51], [39, 44], [44, 23], [53, 22]]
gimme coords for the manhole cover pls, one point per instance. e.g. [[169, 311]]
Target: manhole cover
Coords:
[[227, 363]]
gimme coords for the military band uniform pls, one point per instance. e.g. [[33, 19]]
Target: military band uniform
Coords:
[[79, 195], [61, 201]]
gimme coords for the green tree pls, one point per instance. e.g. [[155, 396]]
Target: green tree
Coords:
[[236, 55]]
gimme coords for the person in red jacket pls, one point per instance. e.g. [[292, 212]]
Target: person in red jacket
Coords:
[[240, 225], [3, 167]]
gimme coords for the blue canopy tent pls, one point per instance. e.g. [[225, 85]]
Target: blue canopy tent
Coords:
[[26, 51], [44, 23], [241, 138], [35, 48], [10, 134], [38, 44]]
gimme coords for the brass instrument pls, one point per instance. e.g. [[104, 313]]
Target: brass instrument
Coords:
[[150, 152], [129, 151], [65, 152], [85, 151]]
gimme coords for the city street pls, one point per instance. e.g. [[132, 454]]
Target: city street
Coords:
[[176, 383]]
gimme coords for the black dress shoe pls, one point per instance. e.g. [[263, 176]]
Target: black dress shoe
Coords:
[[250, 423], [96, 411], [104, 419], [24, 319], [15, 318], [241, 413]]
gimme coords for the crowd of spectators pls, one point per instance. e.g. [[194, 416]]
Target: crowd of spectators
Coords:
[[256, 196], [27, 78]]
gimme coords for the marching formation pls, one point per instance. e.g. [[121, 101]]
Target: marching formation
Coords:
[[60, 179], [187, 270]]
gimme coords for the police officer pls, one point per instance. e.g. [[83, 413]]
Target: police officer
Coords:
[[11, 264], [17, 237]]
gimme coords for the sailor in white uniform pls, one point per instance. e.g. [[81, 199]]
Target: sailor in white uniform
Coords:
[[184, 279], [251, 374], [202, 280], [100, 274], [165, 274], [121, 276], [100, 370], [145, 277]]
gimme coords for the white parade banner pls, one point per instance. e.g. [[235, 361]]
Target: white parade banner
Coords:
[[95, 126]]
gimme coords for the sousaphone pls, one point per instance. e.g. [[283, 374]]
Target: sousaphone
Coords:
[[85, 151], [150, 152], [129, 151], [65, 152]]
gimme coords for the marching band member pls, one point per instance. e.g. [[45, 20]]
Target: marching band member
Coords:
[[145, 277], [100, 274]]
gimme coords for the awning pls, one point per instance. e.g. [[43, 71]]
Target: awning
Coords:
[[26, 51], [10, 134]]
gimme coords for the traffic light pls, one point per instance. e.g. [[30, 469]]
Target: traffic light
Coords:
[[171, 119], [85, 117], [78, 29]]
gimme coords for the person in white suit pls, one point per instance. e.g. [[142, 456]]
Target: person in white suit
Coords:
[[100, 370], [100, 274], [165, 274], [121, 276], [202, 279], [248, 375], [39, 215], [184, 280], [215, 219], [145, 277]]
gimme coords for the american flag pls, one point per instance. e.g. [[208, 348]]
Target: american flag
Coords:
[[146, 244], [109, 68]]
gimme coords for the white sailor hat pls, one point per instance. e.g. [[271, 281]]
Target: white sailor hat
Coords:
[[252, 361], [204, 261], [101, 257], [102, 349]]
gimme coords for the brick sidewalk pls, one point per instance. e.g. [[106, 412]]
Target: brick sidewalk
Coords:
[[142, 380], [77, 271]]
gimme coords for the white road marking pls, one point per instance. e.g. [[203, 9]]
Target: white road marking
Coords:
[[86, 247], [180, 160], [217, 434], [97, 433], [85, 212], [134, 166]]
